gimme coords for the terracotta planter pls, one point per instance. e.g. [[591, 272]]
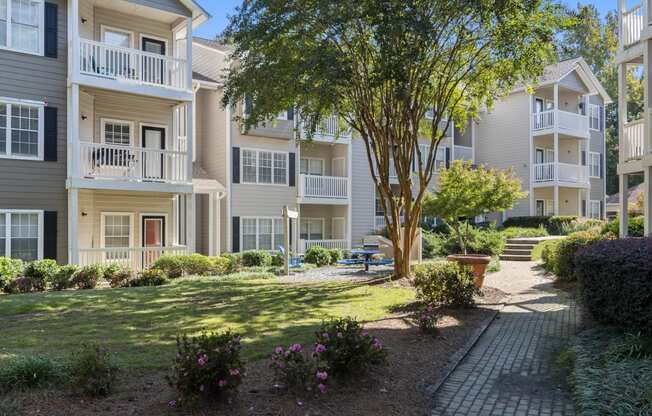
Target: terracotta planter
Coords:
[[477, 262]]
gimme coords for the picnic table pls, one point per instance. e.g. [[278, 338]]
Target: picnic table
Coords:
[[367, 254]]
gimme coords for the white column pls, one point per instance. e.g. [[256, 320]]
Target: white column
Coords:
[[211, 223], [622, 108], [621, 10], [623, 206], [189, 53], [647, 145], [218, 235], [533, 207], [579, 202], [190, 139], [647, 208], [556, 134], [73, 129], [73, 229], [349, 219], [190, 222]]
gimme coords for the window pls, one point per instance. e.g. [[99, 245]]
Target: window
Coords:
[[594, 209], [283, 115], [116, 37], [262, 233], [264, 167], [21, 129], [21, 234], [545, 207], [595, 117], [312, 229], [117, 235], [22, 25], [595, 162], [310, 166], [117, 132]]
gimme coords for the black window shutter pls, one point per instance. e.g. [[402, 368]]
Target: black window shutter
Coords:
[[236, 164], [448, 157], [583, 157], [235, 234], [291, 239], [249, 106], [51, 23], [291, 113], [292, 172], [602, 162], [601, 209], [50, 135], [50, 235], [584, 207]]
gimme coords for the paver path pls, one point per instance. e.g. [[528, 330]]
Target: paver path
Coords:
[[508, 371]]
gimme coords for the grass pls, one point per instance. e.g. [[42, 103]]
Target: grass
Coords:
[[140, 324], [514, 232]]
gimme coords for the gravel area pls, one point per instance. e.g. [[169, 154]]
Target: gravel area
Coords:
[[352, 273]]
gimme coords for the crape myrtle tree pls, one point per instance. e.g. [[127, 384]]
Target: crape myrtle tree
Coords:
[[381, 65]]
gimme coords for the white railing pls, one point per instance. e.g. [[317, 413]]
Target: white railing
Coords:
[[463, 153], [632, 25], [330, 128], [633, 140], [565, 121], [104, 60], [118, 162], [137, 258], [379, 222], [304, 245], [565, 172], [333, 187]]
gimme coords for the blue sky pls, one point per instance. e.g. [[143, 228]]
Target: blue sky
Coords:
[[220, 9]]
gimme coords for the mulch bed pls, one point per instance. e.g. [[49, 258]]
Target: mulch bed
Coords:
[[415, 361]]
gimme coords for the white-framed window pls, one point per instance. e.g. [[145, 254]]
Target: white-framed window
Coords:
[[117, 37], [595, 117], [283, 115], [595, 164], [21, 129], [261, 233], [21, 234], [22, 26], [264, 167], [545, 207], [311, 229], [311, 166], [117, 132], [117, 234], [594, 209]]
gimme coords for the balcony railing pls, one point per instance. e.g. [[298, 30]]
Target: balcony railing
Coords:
[[633, 140], [108, 61], [116, 162], [379, 222], [328, 187], [562, 120], [463, 153], [563, 172], [136, 258], [330, 129], [632, 25], [304, 245]]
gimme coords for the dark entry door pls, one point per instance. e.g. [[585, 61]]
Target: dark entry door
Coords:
[[153, 67]]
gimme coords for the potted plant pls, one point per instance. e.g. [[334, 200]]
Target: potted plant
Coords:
[[466, 191]]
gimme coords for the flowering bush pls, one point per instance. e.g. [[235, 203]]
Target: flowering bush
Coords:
[[62, 279], [207, 366], [295, 370], [428, 318], [345, 349], [88, 276]]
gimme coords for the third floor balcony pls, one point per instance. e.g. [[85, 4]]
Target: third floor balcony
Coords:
[[560, 121]]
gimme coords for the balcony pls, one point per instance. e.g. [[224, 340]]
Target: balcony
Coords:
[[632, 24], [323, 189], [379, 222], [331, 130], [562, 122], [633, 142], [127, 164], [136, 258], [566, 173], [304, 245]]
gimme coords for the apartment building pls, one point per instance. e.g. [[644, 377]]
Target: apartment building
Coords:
[[96, 123], [635, 144]]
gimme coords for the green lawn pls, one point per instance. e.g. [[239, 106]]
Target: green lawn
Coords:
[[140, 324]]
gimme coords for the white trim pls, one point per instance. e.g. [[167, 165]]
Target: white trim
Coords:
[[132, 136], [9, 212], [257, 219], [166, 227], [154, 37], [258, 151], [41, 31], [9, 103], [590, 164], [104, 214], [337, 159], [321, 159], [157, 126], [334, 220], [132, 34]]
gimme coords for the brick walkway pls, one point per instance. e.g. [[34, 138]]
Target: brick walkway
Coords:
[[508, 371]]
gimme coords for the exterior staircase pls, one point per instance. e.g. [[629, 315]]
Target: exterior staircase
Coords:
[[519, 249]]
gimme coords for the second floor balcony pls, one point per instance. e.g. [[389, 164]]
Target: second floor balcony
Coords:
[[632, 145], [562, 173], [563, 122], [320, 189], [331, 130], [633, 21]]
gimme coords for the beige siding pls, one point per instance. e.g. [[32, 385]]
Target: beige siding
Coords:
[[573, 82], [138, 25], [172, 6], [325, 212], [209, 62]]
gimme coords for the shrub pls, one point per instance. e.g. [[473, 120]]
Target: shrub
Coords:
[[63, 277], [92, 370], [277, 260], [171, 265], [346, 350], [119, 277], [557, 223], [563, 260], [149, 277], [292, 368], [552, 224], [635, 227], [513, 232], [256, 258], [221, 265], [40, 272], [207, 366], [582, 224], [335, 255], [317, 255], [549, 254], [196, 264], [20, 285], [236, 261], [615, 279], [29, 372], [428, 318], [9, 270], [88, 276], [444, 282], [433, 244], [489, 242]]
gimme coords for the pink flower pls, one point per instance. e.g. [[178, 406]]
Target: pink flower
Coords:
[[221, 383], [172, 403], [279, 350], [234, 371], [377, 344], [319, 348], [321, 388], [281, 365], [365, 334], [339, 335], [295, 347], [326, 335], [202, 360], [322, 375]]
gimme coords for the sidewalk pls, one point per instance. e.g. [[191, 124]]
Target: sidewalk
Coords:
[[508, 371]]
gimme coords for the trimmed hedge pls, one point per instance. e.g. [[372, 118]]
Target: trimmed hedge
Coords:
[[318, 255], [616, 282], [554, 224], [513, 232]]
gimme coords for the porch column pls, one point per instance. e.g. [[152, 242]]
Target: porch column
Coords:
[[556, 135], [73, 229], [624, 205], [622, 110], [349, 219], [213, 220], [190, 222], [579, 202], [73, 130], [190, 140], [647, 202], [218, 236]]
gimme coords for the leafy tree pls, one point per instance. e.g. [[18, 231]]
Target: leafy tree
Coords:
[[466, 192], [381, 65]]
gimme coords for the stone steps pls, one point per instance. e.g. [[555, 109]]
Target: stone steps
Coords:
[[519, 249]]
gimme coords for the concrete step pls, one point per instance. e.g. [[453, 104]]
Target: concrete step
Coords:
[[510, 251], [515, 257], [530, 241], [519, 246]]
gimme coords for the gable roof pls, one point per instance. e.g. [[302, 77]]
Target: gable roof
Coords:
[[201, 77], [199, 14], [213, 44]]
